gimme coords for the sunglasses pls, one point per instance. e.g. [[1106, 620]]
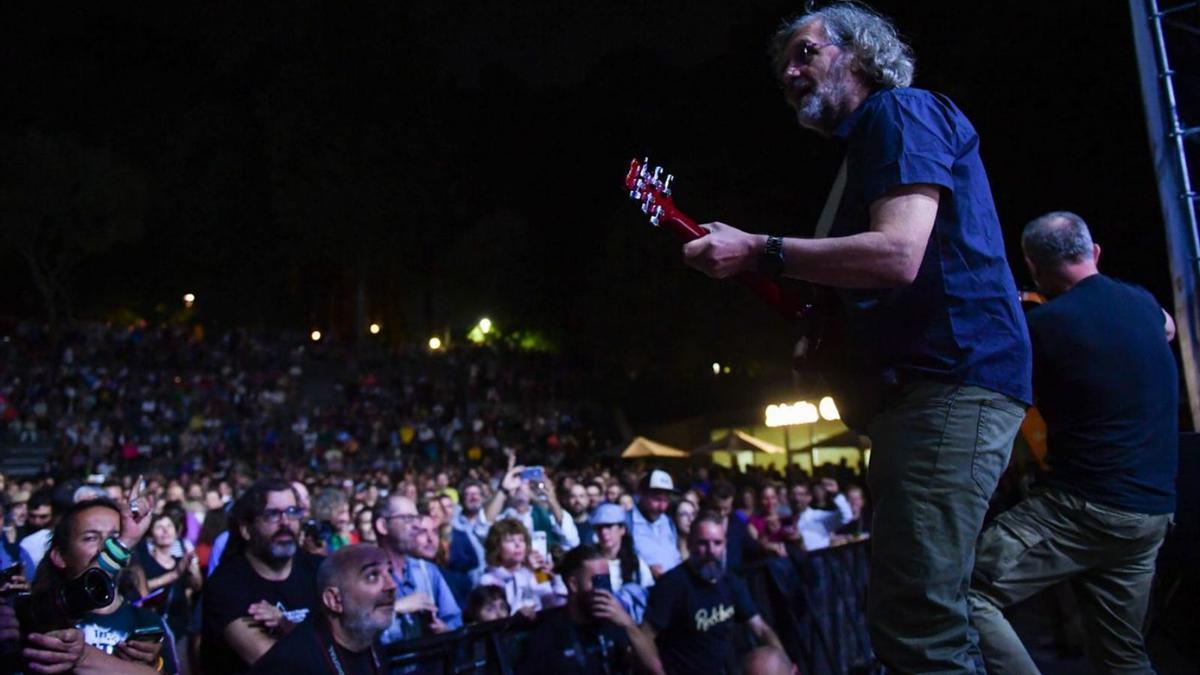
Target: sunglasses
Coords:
[[805, 51]]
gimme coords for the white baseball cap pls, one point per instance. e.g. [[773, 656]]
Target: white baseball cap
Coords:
[[658, 479]]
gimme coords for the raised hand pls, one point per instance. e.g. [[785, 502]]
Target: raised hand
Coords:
[[136, 515], [415, 602]]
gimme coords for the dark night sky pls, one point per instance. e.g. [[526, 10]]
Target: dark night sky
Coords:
[[464, 158]]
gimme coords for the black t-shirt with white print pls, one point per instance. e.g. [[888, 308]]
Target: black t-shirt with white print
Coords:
[[693, 619], [230, 591]]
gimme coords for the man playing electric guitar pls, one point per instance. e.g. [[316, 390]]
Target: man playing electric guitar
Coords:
[[931, 318]]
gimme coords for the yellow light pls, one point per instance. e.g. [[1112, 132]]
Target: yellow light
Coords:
[[316, 336], [375, 328], [716, 368], [435, 343], [828, 410], [727, 370], [800, 412], [485, 325]]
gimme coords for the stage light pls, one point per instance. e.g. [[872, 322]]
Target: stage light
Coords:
[[828, 410], [435, 343], [783, 415], [375, 328], [316, 336]]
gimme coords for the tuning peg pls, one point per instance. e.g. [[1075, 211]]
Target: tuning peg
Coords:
[[667, 184], [657, 173]]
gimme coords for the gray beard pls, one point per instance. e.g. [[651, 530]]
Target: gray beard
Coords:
[[363, 628], [821, 110]]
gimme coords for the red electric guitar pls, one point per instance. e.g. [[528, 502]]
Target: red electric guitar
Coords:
[[809, 308], [653, 191]]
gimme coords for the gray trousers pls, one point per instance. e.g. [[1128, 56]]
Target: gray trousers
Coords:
[[937, 452], [1107, 554]]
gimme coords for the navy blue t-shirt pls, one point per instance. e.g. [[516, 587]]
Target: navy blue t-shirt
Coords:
[[960, 320], [693, 619], [1107, 385]]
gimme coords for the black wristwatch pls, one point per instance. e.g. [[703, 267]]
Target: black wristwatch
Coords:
[[770, 259]]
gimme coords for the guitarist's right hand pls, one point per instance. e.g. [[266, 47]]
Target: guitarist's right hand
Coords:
[[725, 252]]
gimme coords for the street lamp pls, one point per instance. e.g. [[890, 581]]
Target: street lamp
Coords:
[[316, 336], [189, 299], [435, 343], [375, 328]]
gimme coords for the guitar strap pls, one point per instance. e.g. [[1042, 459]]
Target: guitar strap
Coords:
[[832, 202]]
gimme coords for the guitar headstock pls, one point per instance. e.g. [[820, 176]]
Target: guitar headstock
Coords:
[[651, 189]]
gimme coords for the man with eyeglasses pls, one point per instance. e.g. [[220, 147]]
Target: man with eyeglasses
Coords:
[[265, 585], [933, 358], [424, 602]]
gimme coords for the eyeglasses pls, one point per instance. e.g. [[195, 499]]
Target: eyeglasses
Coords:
[[406, 517], [273, 516], [805, 51]]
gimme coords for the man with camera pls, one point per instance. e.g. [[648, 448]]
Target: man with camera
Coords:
[[592, 633], [73, 621], [264, 587], [518, 489]]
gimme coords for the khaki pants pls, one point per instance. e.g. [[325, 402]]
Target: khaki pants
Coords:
[[937, 453], [1107, 555]]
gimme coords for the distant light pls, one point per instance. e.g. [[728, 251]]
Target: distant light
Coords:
[[485, 325], [435, 343], [800, 412], [828, 410], [375, 328], [727, 370], [716, 368], [189, 299], [316, 336]]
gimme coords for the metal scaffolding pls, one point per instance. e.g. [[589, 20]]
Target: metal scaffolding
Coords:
[[1156, 31]]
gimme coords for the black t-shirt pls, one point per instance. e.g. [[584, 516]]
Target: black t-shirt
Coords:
[[693, 619], [1107, 385], [306, 650], [234, 586], [558, 645], [105, 631], [175, 608]]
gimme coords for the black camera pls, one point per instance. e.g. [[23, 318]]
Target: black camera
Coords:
[[318, 531], [63, 607]]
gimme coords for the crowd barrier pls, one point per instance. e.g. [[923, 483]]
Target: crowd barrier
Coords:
[[814, 601]]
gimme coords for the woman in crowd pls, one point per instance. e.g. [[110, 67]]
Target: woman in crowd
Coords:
[[172, 571], [364, 524], [629, 575], [215, 522], [524, 575], [685, 513], [746, 501]]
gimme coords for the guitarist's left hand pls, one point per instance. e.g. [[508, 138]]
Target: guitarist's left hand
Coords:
[[725, 252]]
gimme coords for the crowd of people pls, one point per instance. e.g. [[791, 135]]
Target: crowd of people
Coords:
[[243, 499], [228, 572]]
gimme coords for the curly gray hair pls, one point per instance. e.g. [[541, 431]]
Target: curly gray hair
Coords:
[[885, 59]]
